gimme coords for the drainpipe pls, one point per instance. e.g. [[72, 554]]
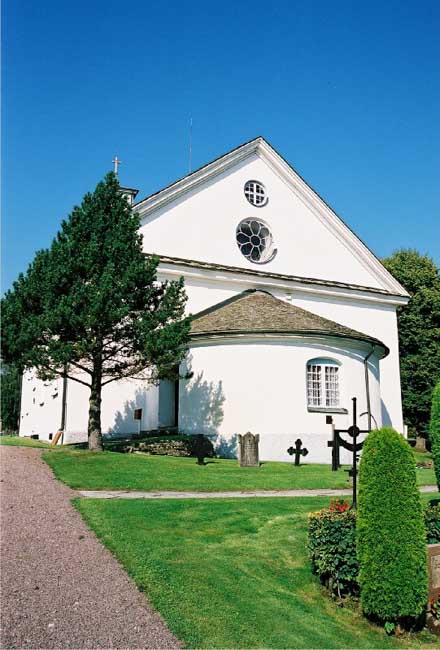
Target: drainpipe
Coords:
[[63, 407], [20, 401], [367, 385]]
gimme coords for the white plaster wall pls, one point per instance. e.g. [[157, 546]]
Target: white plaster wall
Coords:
[[119, 399], [260, 386], [40, 406], [203, 293], [202, 226], [76, 412]]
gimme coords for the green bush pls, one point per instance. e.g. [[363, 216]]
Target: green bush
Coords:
[[432, 522], [434, 432], [332, 547], [391, 540]]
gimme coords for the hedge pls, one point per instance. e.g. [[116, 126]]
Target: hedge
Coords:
[[332, 547], [434, 432], [391, 540]]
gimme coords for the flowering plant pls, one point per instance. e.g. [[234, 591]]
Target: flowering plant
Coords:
[[434, 606], [339, 505]]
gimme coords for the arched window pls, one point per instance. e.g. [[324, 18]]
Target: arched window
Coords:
[[323, 383]]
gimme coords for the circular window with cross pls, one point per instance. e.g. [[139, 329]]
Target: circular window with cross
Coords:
[[255, 192]]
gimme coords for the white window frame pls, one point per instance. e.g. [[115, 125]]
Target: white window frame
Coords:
[[252, 189], [322, 391]]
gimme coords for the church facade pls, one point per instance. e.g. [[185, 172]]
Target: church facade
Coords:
[[293, 316]]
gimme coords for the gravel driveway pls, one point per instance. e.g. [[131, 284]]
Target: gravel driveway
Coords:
[[60, 588]]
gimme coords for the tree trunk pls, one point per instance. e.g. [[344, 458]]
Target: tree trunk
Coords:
[[94, 428]]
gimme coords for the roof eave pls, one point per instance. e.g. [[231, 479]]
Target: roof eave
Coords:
[[375, 343], [212, 266], [244, 149]]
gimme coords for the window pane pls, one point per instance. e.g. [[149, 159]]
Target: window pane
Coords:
[[331, 386], [314, 393]]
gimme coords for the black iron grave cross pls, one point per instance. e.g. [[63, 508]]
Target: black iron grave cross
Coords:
[[355, 447], [298, 451]]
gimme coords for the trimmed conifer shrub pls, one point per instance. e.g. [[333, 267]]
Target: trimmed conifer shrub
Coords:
[[434, 432], [391, 538]]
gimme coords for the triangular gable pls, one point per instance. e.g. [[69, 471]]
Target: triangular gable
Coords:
[[156, 205]]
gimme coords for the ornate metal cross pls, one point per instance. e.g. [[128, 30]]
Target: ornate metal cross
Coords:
[[116, 162], [355, 447], [298, 450]]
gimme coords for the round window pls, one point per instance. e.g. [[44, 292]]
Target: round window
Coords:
[[255, 241], [255, 193]]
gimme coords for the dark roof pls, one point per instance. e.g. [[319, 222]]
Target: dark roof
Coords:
[[276, 276], [254, 311], [129, 189]]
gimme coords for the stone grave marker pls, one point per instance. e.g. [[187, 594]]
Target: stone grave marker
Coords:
[[434, 569], [434, 583], [420, 444], [248, 448]]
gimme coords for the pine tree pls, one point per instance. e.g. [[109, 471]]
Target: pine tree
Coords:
[[90, 307]]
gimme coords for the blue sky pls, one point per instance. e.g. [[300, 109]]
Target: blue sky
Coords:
[[347, 92]]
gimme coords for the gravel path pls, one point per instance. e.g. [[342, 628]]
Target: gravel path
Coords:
[[60, 587], [135, 494]]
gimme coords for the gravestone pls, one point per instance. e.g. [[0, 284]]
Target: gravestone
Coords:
[[248, 448], [434, 584], [434, 569]]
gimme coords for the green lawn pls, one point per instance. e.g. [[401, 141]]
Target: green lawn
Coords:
[[22, 442], [111, 470], [424, 476], [232, 573]]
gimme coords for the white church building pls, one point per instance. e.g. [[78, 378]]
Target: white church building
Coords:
[[293, 317]]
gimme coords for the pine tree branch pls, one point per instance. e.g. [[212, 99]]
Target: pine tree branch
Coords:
[[79, 381], [80, 367]]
